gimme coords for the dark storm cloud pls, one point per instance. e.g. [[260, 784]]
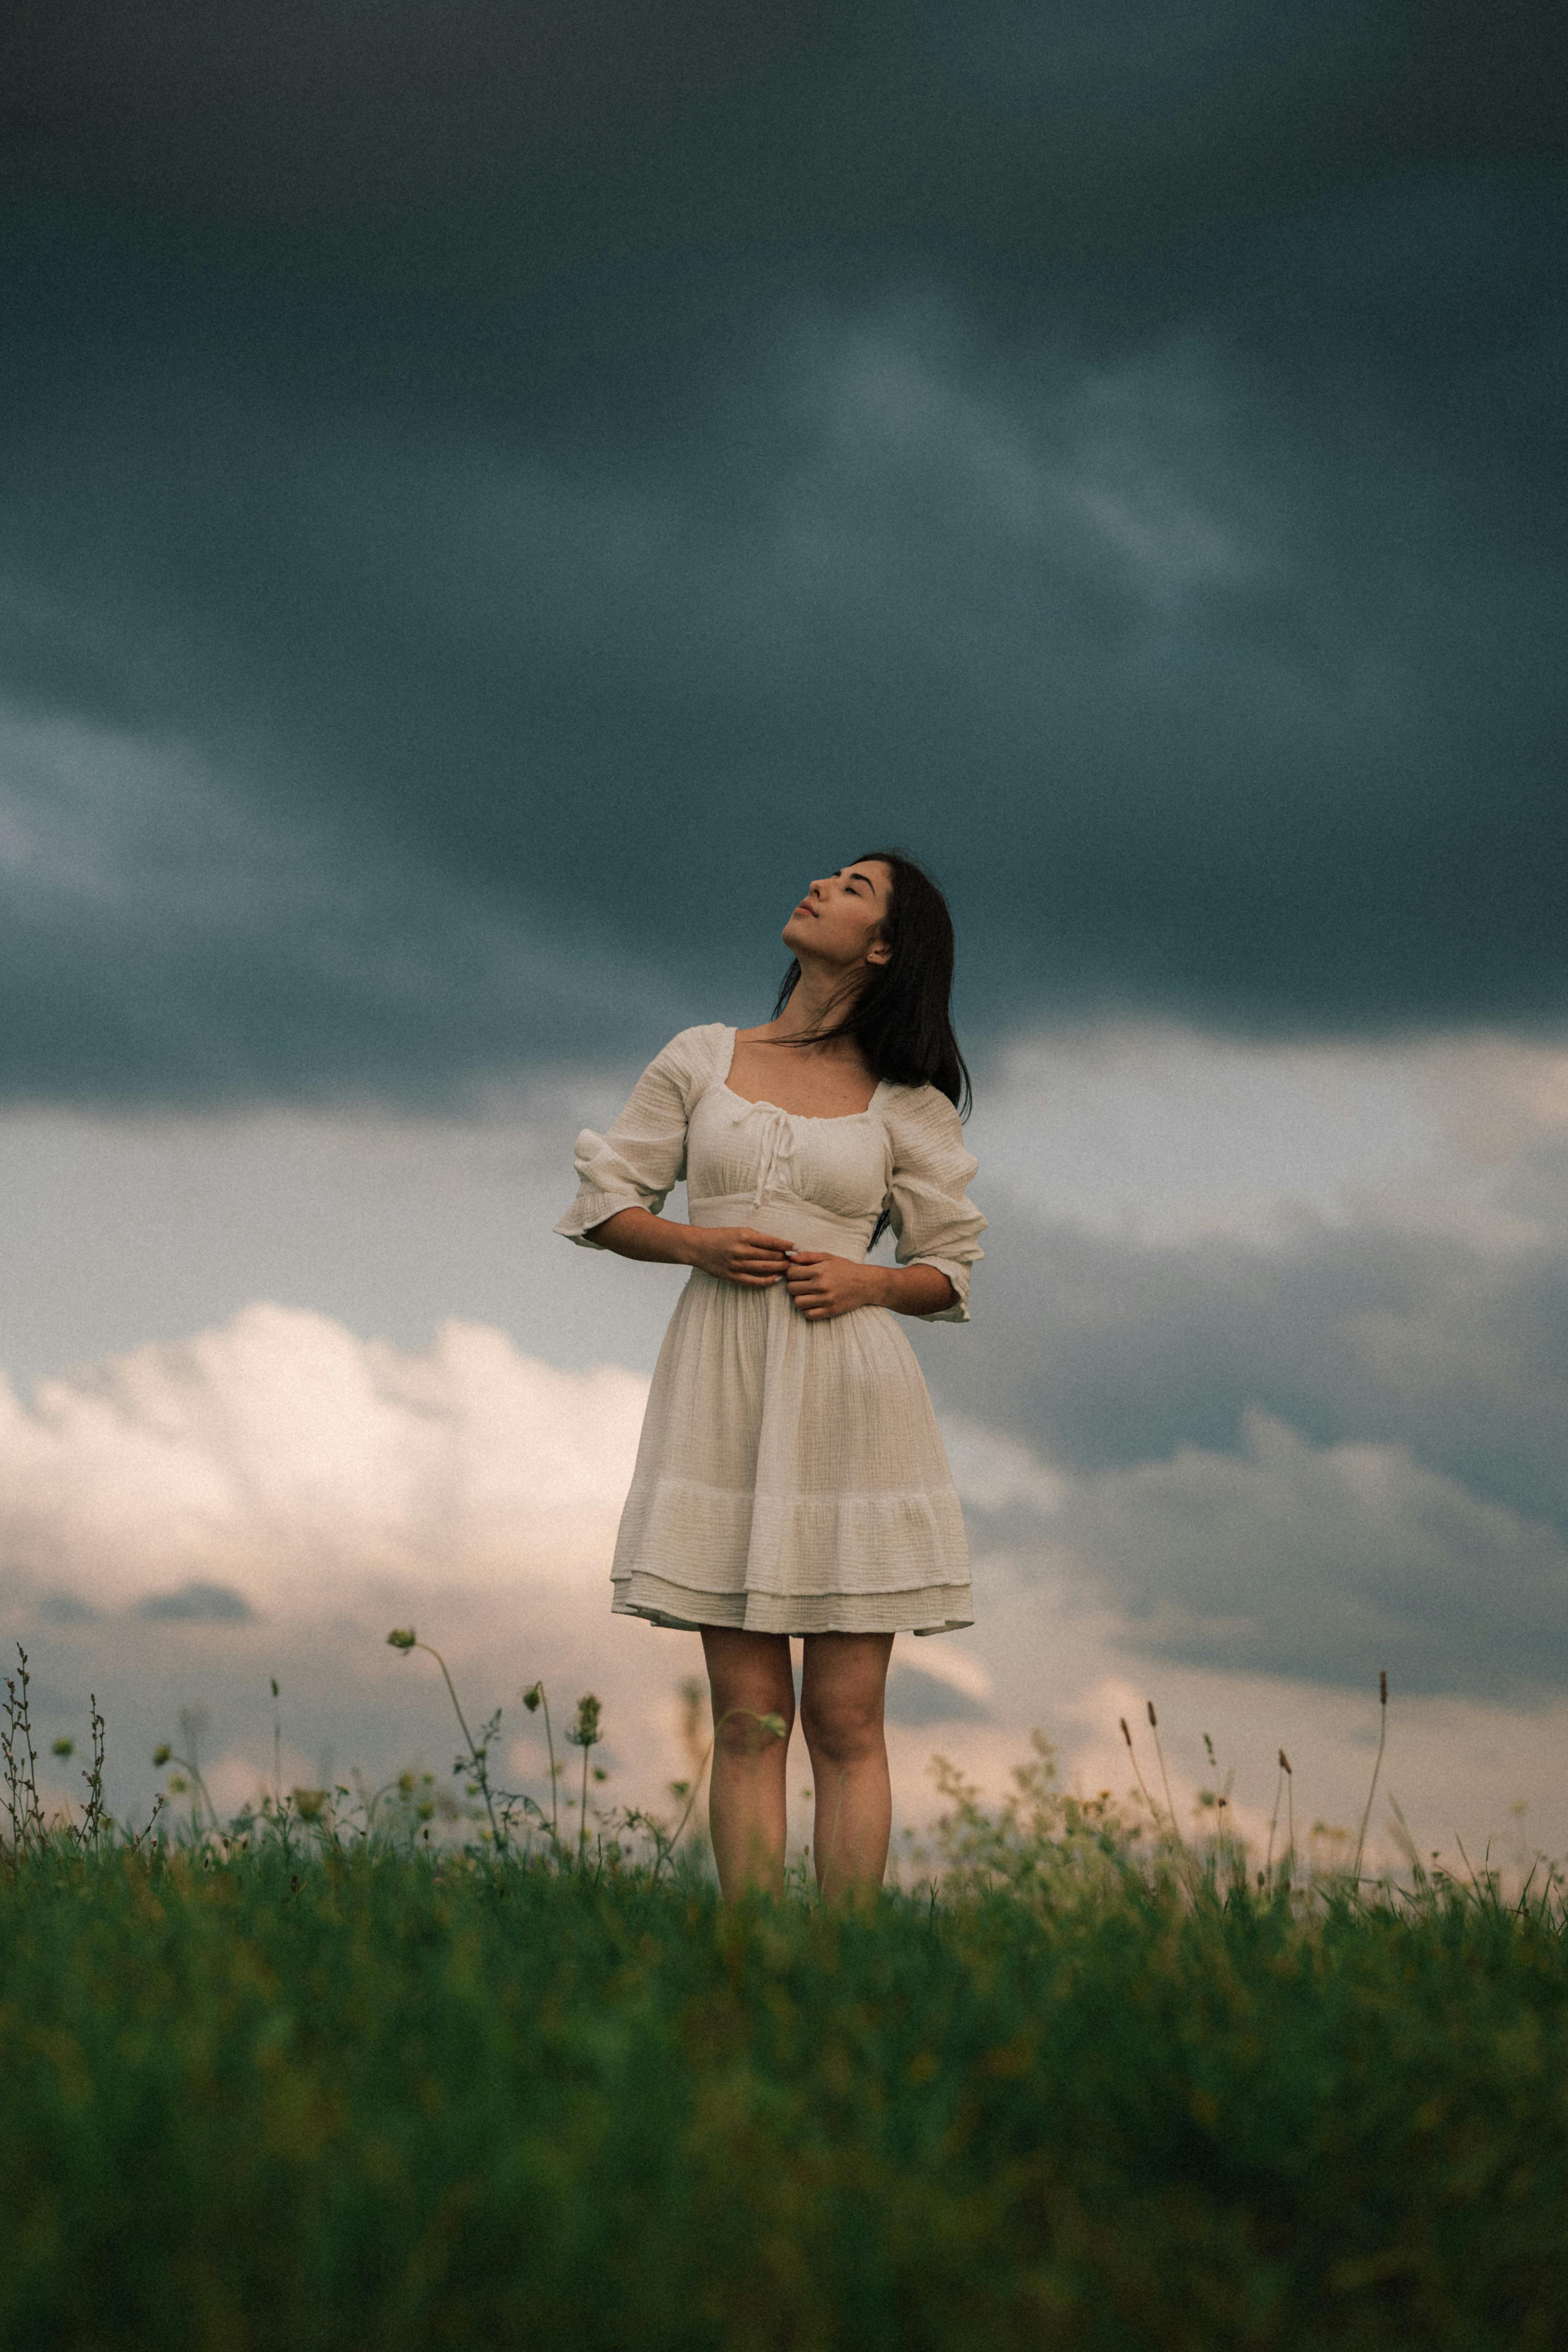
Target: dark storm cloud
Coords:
[[916, 1698], [528, 486], [214, 1604], [1319, 1458], [471, 146], [170, 934]]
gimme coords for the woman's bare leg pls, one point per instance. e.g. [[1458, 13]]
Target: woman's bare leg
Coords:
[[842, 1685], [746, 1797]]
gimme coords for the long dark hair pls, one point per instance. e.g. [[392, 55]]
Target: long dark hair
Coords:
[[900, 1018]]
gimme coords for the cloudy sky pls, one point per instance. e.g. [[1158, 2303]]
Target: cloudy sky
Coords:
[[494, 500]]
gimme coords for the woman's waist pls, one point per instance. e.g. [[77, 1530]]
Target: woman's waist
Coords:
[[807, 1223]]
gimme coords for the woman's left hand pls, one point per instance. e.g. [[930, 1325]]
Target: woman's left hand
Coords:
[[822, 1285]]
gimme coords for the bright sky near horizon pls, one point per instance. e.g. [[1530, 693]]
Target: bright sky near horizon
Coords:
[[198, 1491]]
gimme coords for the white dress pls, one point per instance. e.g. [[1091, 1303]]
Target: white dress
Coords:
[[790, 1476]]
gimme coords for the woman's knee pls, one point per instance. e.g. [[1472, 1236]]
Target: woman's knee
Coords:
[[749, 1682], [748, 1725], [747, 1674], [842, 1731]]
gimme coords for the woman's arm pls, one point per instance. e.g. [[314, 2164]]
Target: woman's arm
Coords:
[[735, 1252], [822, 1285], [642, 1154], [935, 1223], [916, 1289]]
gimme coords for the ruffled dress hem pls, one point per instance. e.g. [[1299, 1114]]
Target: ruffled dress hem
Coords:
[[934, 1608]]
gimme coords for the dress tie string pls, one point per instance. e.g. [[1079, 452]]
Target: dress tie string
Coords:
[[778, 1144]]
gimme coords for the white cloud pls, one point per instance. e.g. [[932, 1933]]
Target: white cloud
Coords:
[[1501, 1095], [284, 1458], [995, 1472]]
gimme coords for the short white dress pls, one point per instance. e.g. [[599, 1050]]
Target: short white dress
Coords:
[[790, 1476]]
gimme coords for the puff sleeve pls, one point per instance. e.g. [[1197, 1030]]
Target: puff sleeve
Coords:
[[934, 1221], [636, 1161]]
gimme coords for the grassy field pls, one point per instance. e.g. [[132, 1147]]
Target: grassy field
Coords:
[[283, 2086]]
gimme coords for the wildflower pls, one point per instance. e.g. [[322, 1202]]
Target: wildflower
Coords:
[[531, 1698], [162, 1753], [585, 1731], [403, 1637], [64, 1748]]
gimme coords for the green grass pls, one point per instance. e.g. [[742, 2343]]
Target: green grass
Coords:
[[418, 2072], [315, 2095]]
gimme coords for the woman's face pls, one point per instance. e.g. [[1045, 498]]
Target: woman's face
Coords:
[[837, 919]]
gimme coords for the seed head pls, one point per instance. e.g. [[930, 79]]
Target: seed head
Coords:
[[403, 1637], [162, 1753], [532, 1697], [64, 1748], [585, 1731]]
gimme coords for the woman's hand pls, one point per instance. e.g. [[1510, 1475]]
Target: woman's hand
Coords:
[[736, 1254], [822, 1285]]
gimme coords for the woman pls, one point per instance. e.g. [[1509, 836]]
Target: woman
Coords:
[[790, 1477]]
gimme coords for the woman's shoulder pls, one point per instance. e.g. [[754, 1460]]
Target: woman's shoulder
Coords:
[[697, 1054], [927, 1102], [922, 1118]]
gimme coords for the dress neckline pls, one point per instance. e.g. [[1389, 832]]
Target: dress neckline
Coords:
[[760, 1102]]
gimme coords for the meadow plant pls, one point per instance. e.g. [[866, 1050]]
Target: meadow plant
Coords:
[[21, 1762], [30, 1833], [1382, 1736], [512, 1813]]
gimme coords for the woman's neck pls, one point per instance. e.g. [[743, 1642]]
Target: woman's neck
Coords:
[[819, 1000]]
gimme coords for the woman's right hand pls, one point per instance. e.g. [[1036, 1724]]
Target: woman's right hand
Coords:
[[736, 1254]]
